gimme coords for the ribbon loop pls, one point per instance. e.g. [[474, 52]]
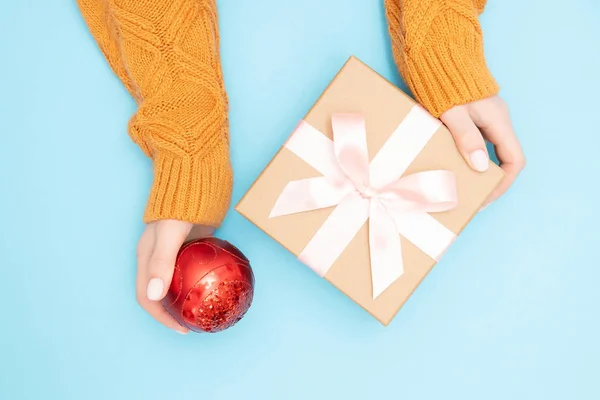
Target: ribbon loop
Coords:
[[393, 204], [350, 143]]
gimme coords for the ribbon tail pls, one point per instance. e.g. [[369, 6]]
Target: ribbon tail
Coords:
[[425, 232], [385, 249], [350, 144], [335, 234]]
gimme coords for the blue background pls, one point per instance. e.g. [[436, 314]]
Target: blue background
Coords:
[[512, 312]]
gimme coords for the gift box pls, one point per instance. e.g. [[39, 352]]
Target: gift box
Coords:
[[369, 191]]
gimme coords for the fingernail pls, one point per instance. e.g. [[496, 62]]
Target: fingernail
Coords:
[[182, 333], [479, 160], [484, 207], [155, 289]]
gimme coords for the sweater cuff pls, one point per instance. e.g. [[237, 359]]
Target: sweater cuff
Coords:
[[192, 188], [442, 75]]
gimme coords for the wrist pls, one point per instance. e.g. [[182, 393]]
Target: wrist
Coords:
[[192, 188]]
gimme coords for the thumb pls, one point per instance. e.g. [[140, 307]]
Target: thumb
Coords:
[[170, 235], [467, 137]]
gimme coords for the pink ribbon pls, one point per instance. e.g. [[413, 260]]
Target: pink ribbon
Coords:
[[376, 192]]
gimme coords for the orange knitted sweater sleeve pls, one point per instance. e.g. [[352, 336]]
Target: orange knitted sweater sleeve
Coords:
[[438, 47], [166, 52]]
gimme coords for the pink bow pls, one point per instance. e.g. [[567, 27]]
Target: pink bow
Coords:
[[393, 204]]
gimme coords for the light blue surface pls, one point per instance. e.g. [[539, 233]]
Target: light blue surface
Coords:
[[512, 312]]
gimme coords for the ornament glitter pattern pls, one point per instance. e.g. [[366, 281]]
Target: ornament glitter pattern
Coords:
[[212, 286]]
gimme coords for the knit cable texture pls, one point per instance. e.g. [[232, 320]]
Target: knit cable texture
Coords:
[[438, 47], [166, 52]]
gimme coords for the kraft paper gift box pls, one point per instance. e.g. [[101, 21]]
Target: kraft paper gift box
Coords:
[[370, 212]]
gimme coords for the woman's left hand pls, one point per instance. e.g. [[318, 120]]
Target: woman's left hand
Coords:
[[488, 119]]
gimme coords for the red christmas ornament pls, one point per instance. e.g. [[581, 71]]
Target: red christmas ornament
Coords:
[[212, 286]]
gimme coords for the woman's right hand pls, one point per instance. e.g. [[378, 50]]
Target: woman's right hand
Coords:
[[156, 255]]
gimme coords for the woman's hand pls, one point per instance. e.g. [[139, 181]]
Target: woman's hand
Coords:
[[156, 254], [486, 119]]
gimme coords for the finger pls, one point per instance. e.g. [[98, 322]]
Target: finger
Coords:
[[144, 252], [510, 154], [155, 309], [159, 313], [170, 235], [512, 172], [467, 137]]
